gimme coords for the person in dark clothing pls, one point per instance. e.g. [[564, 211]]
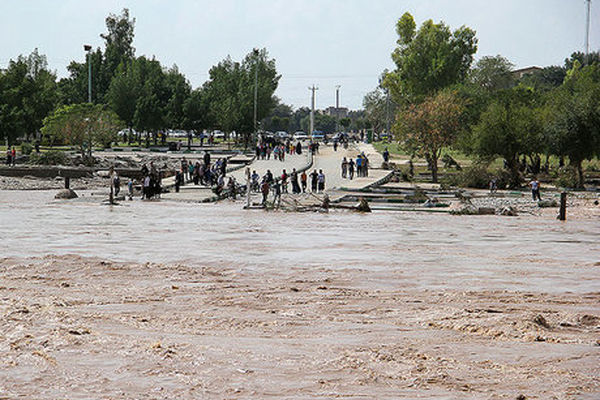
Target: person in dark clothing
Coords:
[[207, 158], [269, 176], [294, 178], [386, 155], [177, 181], [314, 177], [351, 169]]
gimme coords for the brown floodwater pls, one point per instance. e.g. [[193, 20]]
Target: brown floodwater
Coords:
[[525, 253]]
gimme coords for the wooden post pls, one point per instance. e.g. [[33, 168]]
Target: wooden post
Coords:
[[67, 182], [563, 207]]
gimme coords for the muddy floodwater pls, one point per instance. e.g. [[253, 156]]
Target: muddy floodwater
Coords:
[[176, 300]]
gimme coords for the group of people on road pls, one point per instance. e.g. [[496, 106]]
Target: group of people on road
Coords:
[[264, 149], [152, 181], [360, 166], [299, 183], [204, 173]]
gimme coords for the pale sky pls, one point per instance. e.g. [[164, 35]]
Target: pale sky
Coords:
[[321, 42]]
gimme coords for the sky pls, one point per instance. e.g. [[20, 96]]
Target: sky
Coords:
[[321, 42]]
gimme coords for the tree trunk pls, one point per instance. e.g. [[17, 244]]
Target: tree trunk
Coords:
[[513, 167], [433, 163], [580, 177]]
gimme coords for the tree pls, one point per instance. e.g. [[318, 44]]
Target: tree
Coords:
[[573, 127], [510, 126], [376, 108], [230, 91], [492, 73], [118, 41], [427, 128], [82, 125], [429, 59], [196, 111], [28, 91]]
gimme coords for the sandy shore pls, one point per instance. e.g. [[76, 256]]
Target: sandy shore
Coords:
[[77, 328]]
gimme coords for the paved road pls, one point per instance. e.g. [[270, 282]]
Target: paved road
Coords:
[[327, 159]]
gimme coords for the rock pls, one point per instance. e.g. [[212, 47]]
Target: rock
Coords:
[[66, 194], [509, 211], [463, 209], [486, 211], [363, 205], [541, 321], [547, 203]]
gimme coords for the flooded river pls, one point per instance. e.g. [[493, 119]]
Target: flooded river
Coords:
[[430, 250]]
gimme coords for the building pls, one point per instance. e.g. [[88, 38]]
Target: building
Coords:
[[519, 73], [341, 112]]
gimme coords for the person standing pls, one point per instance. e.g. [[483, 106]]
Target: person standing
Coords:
[[303, 181], [344, 168], [130, 189], [116, 183], [264, 189], [314, 176], [8, 156], [13, 156], [321, 181], [351, 169], [386, 155], [535, 189], [294, 179], [284, 177]]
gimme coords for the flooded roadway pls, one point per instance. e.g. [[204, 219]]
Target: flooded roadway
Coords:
[[525, 253]]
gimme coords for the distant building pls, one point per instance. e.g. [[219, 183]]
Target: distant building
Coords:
[[341, 112], [519, 73]]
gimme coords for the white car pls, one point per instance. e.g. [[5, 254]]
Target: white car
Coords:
[[299, 135], [218, 135], [282, 135]]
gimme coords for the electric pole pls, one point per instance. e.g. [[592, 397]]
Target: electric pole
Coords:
[[312, 109], [337, 108], [587, 28]]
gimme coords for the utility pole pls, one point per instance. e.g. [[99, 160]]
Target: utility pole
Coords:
[[88, 48], [387, 111], [255, 89], [337, 108], [312, 109], [587, 29]]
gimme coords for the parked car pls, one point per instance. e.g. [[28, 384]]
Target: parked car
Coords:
[[282, 135], [218, 134], [318, 135], [177, 133], [299, 135]]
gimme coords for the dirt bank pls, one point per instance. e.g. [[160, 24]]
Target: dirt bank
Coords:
[[75, 327]]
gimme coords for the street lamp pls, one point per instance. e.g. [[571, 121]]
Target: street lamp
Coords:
[[256, 59], [88, 48]]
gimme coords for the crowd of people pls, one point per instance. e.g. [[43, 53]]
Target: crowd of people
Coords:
[[360, 167], [271, 147], [202, 173], [299, 183]]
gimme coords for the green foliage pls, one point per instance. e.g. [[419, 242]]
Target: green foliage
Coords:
[[52, 157], [478, 176], [426, 129], [429, 59], [83, 125], [492, 73], [230, 92], [377, 109], [566, 178], [26, 148], [573, 123], [27, 94], [510, 126]]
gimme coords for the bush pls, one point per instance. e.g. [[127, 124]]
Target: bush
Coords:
[[566, 178], [52, 157], [478, 176], [26, 148]]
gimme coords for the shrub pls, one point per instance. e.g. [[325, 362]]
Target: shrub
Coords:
[[478, 176], [566, 178], [52, 157], [26, 148]]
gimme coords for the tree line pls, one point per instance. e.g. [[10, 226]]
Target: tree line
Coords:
[[137, 92], [441, 100]]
